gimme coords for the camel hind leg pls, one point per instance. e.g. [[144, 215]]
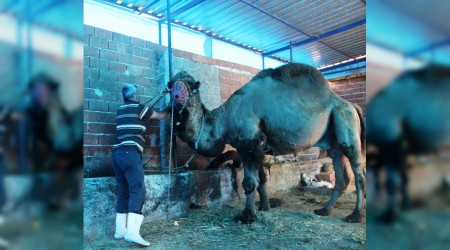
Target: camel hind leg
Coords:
[[342, 179], [347, 126]]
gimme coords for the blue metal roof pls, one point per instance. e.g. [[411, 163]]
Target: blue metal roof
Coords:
[[265, 26], [61, 16], [413, 28]]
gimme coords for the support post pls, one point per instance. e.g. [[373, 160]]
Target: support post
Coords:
[[160, 32], [291, 48], [169, 48]]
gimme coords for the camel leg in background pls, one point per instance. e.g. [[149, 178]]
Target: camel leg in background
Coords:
[[393, 159], [341, 183], [264, 200]]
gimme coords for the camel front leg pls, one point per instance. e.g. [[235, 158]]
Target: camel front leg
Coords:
[[251, 153], [249, 183]]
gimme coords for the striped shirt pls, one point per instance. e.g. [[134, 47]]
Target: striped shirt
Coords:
[[130, 125]]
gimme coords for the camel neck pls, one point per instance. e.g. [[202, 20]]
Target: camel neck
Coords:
[[208, 136]]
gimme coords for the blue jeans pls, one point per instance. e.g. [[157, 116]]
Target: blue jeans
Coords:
[[129, 172]]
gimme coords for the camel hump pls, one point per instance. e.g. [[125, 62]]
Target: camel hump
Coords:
[[294, 73]]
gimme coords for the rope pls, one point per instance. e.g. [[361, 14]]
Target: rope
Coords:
[[197, 141], [170, 162]]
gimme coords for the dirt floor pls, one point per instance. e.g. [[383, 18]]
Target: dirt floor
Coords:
[[290, 226], [49, 230], [426, 224]]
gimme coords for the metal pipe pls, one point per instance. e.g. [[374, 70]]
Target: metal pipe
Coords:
[[169, 49], [160, 33], [263, 66], [291, 48]]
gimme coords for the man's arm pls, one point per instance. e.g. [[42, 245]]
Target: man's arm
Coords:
[[159, 115], [156, 99]]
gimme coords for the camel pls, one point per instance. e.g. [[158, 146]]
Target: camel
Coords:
[[410, 116], [280, 111]]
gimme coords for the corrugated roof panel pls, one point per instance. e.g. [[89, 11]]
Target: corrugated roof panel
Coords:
[[270, 25], [48, 13]]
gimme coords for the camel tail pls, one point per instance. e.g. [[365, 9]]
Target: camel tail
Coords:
[[363, 128]]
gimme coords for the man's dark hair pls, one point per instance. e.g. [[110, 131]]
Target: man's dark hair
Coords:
[[45, 79]]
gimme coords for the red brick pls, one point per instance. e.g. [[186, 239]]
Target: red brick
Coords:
[[89, 139], [89, 116], [329, 177], [106, 139]]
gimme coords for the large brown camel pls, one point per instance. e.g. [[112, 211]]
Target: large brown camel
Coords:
[[280, 111]]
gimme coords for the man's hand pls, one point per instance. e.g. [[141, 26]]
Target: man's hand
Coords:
[[159, 115]]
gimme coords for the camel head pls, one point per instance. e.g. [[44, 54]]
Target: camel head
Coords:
[[182, 87]]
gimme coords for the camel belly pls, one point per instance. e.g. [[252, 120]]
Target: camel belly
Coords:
[[296, 133], [290, 118]]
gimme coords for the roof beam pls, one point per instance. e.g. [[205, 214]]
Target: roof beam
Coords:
[[427, 48], [288, 24], [344, 64], [317, 38], [184, 8], [343, 70]]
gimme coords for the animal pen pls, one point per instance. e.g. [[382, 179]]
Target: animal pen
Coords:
[[223, 45]]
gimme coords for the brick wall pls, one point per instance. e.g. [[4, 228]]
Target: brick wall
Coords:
[[352, 89], [112, 59]]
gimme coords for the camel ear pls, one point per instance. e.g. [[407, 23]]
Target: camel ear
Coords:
[[170, 84], [196, 85]]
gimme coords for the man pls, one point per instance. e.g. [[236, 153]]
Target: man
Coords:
[[127, 162], [58, 142]]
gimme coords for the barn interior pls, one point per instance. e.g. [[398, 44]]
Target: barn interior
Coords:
[[223, 45]]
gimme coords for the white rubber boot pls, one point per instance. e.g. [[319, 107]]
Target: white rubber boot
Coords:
[[134, 222], [121, 226]]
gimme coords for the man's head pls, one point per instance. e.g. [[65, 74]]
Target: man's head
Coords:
[[41, 87], [129, 93]]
